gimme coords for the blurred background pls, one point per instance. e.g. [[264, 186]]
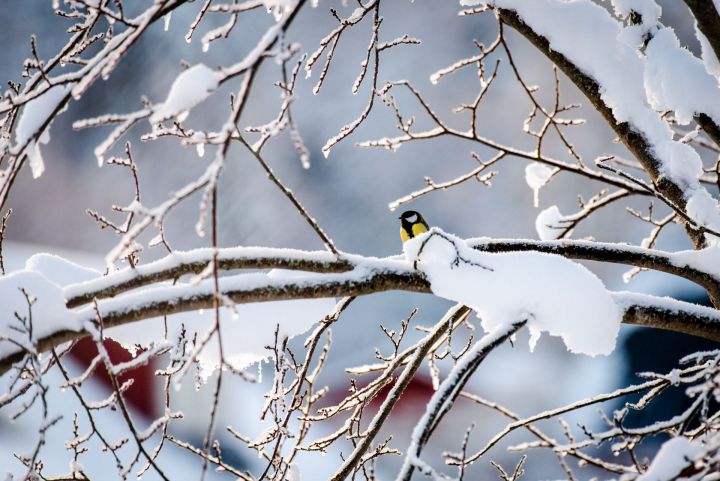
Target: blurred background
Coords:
[[348, 193]]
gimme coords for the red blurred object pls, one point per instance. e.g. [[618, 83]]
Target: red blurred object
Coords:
[[141, 396], [411, 403], [413, 399]]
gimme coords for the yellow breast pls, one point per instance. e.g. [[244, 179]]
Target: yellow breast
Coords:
[[418, 229]]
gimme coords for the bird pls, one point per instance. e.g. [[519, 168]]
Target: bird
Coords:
[[412, 224]]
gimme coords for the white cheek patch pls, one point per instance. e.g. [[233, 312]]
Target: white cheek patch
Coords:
[[413, 218]]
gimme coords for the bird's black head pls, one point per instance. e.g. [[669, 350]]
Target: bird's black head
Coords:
[[410, 217]]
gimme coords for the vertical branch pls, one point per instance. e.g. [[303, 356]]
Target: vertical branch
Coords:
[[33, 371], [98, 335], [216, 328], [3, 226]]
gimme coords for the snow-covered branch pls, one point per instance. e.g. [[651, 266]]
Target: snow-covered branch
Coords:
[[689, 265], [180, 263], [45, 96], [350, 275], [692, 265], [444, 397], [707, 20], [637, 126]]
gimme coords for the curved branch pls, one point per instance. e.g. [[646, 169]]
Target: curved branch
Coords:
[[168, 300], [365, 279], [180, 263], [194, 262]]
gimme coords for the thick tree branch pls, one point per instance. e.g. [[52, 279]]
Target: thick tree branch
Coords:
[[181, 263], [666, 313], [641, 310], [708, 21], [630, 137], [711, 128], [169, 300]]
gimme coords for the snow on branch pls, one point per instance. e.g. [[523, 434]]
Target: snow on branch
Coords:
[[707, 24], [511, 286], [444, 397], [47, 92], [180, 263], [691, 265], [576, 37], [350, 275]]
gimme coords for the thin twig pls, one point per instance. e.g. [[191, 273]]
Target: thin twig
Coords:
[[289, 194]]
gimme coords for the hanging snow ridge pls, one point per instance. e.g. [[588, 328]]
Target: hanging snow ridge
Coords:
[[35, 114], [189, 89], [676, 80], [166, 21], [42, 280], [710, 60], [554, 294]]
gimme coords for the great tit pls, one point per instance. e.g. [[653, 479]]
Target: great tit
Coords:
[[411, 225]]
